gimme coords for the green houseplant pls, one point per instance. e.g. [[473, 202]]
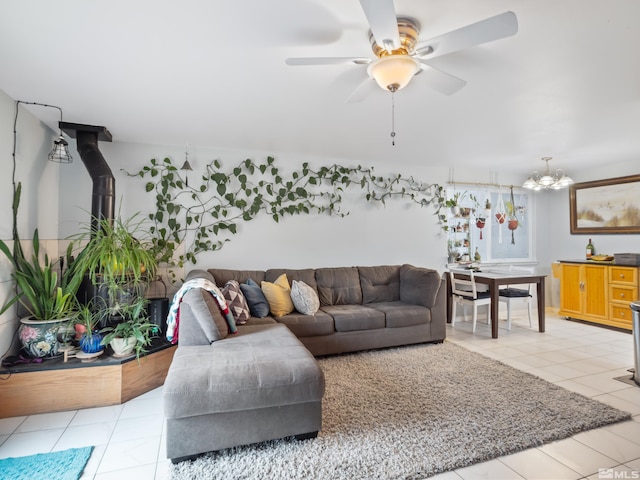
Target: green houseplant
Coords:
[[118, 262], [133, 334], [48, 297], [86, 325]]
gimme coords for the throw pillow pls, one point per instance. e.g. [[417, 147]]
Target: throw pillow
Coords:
[[236, 302], [304, 298], [278, 295], [258, 305]]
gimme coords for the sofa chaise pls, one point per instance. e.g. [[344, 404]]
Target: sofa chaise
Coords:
[[264, 383]]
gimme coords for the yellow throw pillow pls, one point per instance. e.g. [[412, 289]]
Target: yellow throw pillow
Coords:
[[278, 295]]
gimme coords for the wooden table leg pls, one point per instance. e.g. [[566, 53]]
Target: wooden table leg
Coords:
[[449, 299], [495, 304], [541, 305]]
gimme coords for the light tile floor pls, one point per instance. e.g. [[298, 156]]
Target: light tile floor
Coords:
[[129, 438]]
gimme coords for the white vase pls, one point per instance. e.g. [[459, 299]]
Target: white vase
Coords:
[[123, 346]]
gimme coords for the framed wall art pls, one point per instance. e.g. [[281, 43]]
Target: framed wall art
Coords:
[[605, 206]]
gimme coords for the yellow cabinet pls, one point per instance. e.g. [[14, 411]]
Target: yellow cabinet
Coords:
[[623, 289], [583, 291], [598, 293]]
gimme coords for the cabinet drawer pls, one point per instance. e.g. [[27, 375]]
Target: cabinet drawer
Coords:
[[622, 293], [620, 315], [627, 275]]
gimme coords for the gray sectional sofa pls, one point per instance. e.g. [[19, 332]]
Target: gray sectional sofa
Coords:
[[263, 382]]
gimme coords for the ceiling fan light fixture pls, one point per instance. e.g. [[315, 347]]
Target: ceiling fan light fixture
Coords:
[[394, 72]]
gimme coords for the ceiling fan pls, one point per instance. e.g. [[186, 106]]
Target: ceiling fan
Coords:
[[399, 55]]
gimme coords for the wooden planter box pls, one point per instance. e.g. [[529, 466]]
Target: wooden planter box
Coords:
[[54, 386]]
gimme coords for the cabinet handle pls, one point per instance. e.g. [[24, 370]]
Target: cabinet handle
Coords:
[[622, 295], [622, 313], [622, 276]]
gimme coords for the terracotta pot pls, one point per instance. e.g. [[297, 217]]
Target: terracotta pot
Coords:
[[480, 223], [501, 217], [513, 224], [80, 330]]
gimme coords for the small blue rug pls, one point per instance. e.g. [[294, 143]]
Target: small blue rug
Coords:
[[63, 465]]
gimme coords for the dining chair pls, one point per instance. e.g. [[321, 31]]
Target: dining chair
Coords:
[[510, 294], [465, 292]]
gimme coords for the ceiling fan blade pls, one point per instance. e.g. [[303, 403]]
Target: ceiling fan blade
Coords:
[[362, 91], [440, 81], [381, 15], [493, 28], [327, 61]]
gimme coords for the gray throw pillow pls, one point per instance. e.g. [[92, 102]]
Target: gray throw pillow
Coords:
[[258, 305]]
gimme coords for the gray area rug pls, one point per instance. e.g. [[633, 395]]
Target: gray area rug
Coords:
[[412, 412]]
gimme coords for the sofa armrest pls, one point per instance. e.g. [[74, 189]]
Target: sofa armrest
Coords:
[[201, 322], [419, 286]]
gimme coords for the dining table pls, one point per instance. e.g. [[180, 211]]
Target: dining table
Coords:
[[495, 279]]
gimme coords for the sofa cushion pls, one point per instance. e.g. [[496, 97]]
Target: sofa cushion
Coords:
[[399, 314], [304, 298], [339, 286], [263, 366], [258, 305], [419, 286], [347, 318], [315, 325], [207, 325], [223, 275], [278, 295], [236, 302], [306, 275], [380, 284]]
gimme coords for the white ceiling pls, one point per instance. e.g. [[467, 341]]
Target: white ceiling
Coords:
[[212, 73]]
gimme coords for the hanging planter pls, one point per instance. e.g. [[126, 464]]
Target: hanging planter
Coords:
[[501, 216], [480, 223], [513, 220]]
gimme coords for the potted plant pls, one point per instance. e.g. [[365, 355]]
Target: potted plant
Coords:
[[86, 325], [454, 202], [133, 334], [117, 265], [48, 297]]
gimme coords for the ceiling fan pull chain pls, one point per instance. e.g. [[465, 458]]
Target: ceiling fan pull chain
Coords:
[[393, 119]]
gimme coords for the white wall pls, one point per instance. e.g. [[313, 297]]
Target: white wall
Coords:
[[370, 234], [564, 245], [39, 200]]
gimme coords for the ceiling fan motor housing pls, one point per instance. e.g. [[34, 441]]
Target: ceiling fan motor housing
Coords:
[[408, 29]]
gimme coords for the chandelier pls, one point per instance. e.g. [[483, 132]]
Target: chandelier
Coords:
[[547, 181]]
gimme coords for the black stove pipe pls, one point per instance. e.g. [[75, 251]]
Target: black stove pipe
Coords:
[[104, 184]]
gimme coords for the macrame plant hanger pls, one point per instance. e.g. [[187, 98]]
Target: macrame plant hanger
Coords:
[[501, 215], [512, 224]]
